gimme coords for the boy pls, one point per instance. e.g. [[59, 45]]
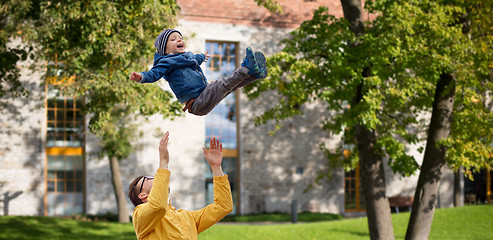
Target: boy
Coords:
[[186, 79]]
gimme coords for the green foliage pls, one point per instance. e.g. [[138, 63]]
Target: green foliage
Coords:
[[397, 63], [11, 14], [100, 43], [272, 5], [426, 39]]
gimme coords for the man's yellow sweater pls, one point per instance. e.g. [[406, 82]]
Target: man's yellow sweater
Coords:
[[157, 219]]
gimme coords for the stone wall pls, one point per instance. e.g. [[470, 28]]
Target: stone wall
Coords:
[[22, 161], [248, 13], [275, 170]]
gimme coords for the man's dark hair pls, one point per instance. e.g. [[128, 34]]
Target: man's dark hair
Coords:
[[132, 192]]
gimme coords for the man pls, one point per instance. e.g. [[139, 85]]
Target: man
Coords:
[[155, 218]]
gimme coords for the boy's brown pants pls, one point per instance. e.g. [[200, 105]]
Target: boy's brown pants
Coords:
[[217, 90]]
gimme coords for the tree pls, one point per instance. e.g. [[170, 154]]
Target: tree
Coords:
[[98, 42], [371, 159], [459, 68], [342, 80], [10, 16], [412, 59]]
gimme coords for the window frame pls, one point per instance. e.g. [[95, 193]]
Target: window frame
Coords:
[[53, 79], [229, 152], [358, 200]]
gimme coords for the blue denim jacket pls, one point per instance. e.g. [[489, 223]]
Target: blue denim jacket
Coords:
[[182, 71]]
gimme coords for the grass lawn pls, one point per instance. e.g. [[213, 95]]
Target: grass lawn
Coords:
[[470, 222], [465, 223], [58, 228]]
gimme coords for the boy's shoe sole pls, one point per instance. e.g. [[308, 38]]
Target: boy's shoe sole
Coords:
[[260, 62], [250, 63]]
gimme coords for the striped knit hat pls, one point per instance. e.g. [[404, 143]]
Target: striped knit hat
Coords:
[[162, 40]]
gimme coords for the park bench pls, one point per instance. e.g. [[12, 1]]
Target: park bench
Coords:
[[401, 202]]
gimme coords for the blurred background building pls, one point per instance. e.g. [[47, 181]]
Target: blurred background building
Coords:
[[49, 166]]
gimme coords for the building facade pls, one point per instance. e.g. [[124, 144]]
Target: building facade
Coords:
[[50, 165]]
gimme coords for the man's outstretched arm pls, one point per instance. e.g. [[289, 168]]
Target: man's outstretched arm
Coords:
[[223, 200], [147, 215]]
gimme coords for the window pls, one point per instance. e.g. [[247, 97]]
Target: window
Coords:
[[353, 193], [64, 169], [65, 175], [478, 191], [221, 122], [65, 124]]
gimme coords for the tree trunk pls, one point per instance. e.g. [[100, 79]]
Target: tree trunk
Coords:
[[373, 183], [458, 188], [425, 197], [353, 13], [119, 192], [372, 172]]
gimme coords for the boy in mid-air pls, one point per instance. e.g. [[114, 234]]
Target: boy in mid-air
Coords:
[[187, 81]]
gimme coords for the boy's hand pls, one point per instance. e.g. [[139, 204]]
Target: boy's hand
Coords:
[[207, 56], [136, 77]]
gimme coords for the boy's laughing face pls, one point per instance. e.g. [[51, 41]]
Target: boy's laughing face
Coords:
[[175, 44]]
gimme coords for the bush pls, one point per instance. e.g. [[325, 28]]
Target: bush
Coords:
[[282, 217]]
